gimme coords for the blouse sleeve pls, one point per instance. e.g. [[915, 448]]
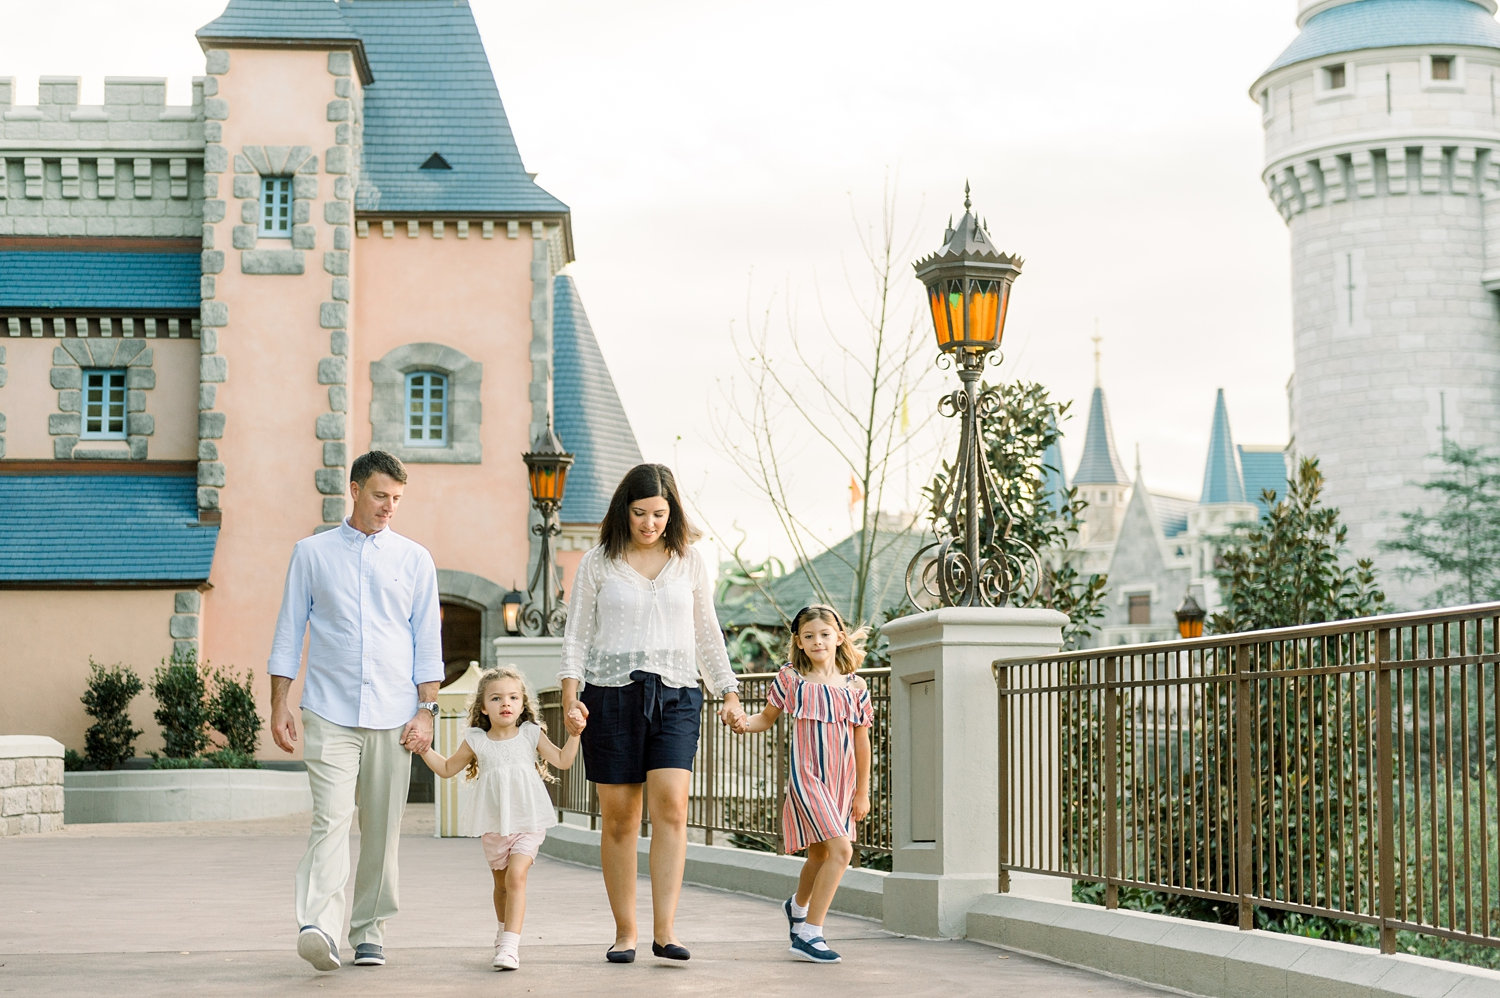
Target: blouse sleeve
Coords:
[[578, 633], [864, 711], [532, 732], [780, 692], [713, 659]]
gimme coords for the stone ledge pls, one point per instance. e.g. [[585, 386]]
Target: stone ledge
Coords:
[[30, 747], [1202, 958], [761, 874], [183, 795]]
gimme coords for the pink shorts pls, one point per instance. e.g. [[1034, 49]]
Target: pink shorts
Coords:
[[498, 848]]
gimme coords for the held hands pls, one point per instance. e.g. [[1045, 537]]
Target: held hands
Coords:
[[416, 737], [732, 715], [860, 807], [575, 717]]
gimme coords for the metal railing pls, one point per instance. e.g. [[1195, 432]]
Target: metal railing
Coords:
[[1346, 770], [739, 781]]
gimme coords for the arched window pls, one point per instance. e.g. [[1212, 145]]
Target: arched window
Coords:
[[426, 409]]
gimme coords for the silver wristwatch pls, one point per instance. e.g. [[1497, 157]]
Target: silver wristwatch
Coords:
[[429, 705]]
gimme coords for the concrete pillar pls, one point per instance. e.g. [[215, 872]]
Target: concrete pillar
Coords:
[[944, 764]]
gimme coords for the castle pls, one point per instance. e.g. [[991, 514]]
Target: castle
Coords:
[[206, 312], [1383, 156]]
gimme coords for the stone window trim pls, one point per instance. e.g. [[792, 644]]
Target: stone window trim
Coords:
[[1334, 81], [253, 166], [388, 403], [69, 360], [1435, 65]]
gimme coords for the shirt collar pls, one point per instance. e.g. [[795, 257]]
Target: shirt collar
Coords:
[[357, 537]]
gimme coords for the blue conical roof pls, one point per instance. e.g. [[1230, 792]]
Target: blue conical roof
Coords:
[[1221, 473], [588, 415], [1100, 465]]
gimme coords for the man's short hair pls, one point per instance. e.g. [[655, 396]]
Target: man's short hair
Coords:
[[377, 462]]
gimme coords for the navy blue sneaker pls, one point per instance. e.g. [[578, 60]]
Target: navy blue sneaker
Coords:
[[318, 948], [814, 950], [792, 921], [369, 955]]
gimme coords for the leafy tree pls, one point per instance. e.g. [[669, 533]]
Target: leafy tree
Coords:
[[1457, 547], [1016, 439], [1286, 570]]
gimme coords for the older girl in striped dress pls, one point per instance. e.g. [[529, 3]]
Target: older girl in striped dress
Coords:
[[829, 786]]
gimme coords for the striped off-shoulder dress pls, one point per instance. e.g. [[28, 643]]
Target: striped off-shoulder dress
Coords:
[[821, 787]]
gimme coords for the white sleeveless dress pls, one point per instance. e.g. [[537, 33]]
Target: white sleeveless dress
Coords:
[[508, 796]]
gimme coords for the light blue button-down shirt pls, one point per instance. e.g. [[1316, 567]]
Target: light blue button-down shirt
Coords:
[[372, 603]]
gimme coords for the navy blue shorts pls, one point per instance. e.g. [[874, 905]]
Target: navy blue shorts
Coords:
[[636, 728]]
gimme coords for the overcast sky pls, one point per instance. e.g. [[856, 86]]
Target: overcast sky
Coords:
[[716, 157]]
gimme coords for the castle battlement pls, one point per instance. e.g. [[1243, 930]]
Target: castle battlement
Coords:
[[1380, 169], [134, 117]]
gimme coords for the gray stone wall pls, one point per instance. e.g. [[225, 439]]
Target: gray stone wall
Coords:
[[213, 366], [31, 784], [131, 166]]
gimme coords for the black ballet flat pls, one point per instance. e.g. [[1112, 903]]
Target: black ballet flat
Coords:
[[671, 951], [620, 955]]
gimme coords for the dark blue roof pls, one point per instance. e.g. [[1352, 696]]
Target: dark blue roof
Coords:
[[1099, 464], [1373, 24], [301, 20], [99, 280], [433, 92], [1264, 468], [1221, 472], [1171, 513], [587, 414], [102, 528]]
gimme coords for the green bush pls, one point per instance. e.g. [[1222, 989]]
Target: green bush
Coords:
[[73, 762], [232, 712], [227, 758], [110, 740], [181, 709]]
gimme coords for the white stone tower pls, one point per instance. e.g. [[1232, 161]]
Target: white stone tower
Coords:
[[1383, 156]]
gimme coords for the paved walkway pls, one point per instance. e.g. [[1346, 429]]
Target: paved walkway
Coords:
[[205, 909]]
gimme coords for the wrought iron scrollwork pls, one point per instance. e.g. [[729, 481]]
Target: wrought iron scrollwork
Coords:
[[545, 614], [979, 563]]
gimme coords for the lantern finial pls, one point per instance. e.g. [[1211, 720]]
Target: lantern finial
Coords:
[[967, 202]]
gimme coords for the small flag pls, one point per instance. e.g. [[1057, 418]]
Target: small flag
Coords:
[[855, 492]]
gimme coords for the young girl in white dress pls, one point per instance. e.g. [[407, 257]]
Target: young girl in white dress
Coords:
[[507, 751]]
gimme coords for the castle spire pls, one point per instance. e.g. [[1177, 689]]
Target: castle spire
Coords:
[[1221, 471], [1100, 464]]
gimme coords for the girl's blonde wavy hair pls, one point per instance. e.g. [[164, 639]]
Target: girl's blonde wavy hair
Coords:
[[529, 712], [850, 652]]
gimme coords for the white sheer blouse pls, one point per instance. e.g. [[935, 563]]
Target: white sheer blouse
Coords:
[[619, 621]]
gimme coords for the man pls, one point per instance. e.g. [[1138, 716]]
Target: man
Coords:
[[374, 664]]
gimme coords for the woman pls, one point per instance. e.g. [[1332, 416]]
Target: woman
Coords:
[[641, 629]]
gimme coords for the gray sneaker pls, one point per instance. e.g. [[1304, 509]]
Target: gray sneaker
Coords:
[[318, 948], [369, 955]]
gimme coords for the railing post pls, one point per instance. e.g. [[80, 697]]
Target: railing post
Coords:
[[711, 799], [1385, 790], [1244, 719], [1001, 672], [1111, 782]]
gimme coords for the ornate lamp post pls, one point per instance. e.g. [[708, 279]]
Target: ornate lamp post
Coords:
[[544, 614], [1190, 617], [968, 291]]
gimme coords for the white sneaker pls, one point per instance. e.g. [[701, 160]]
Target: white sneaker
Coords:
[[505, 959]]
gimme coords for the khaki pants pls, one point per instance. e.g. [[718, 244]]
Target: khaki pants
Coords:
[[349, 767]]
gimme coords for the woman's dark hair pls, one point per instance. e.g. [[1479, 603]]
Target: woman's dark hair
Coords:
[[645, 481]]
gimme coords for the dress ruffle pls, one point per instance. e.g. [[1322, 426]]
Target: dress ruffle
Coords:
[[807, 700]]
